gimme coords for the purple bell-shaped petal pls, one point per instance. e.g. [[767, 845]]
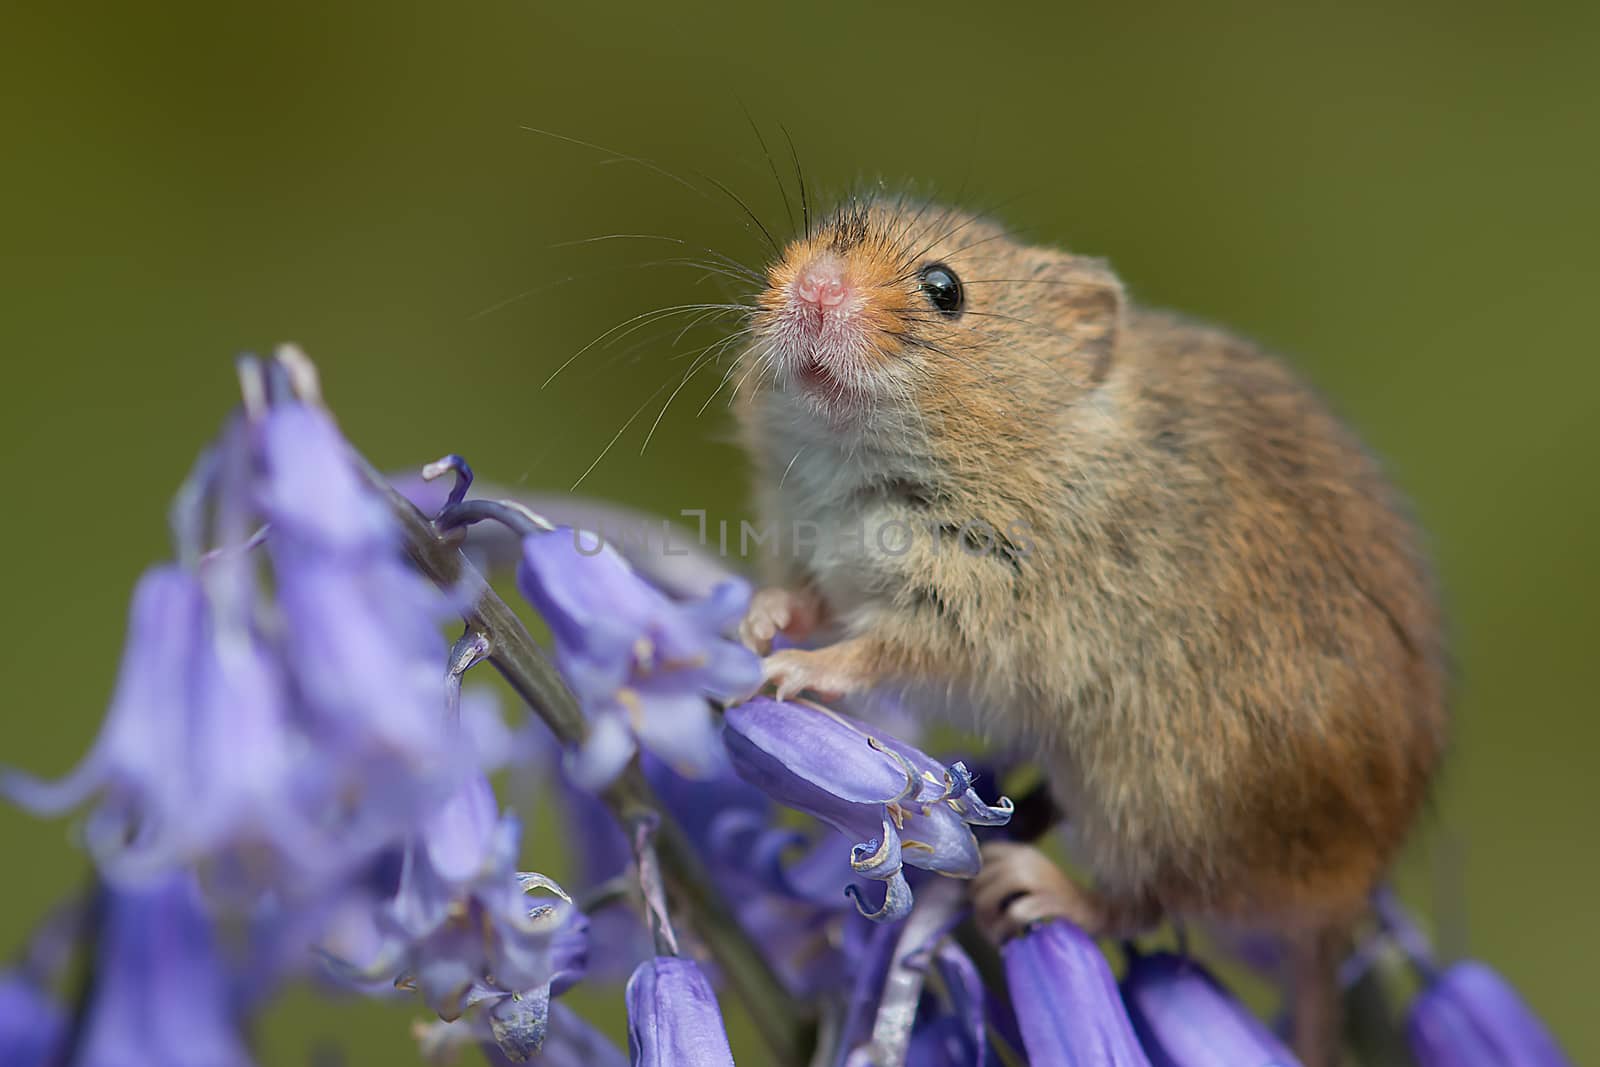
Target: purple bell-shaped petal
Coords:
[[161, 996], [32, 1024], [673, 1018], [1067, 1002], [1184, 1018], [1470, 1017]]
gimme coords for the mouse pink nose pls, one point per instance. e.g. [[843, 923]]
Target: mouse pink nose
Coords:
[[822, 283]]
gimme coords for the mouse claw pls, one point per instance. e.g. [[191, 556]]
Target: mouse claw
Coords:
[[794, 671], [1019, 887]]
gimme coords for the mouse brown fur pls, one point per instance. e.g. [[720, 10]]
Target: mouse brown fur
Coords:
[[1203, 602]]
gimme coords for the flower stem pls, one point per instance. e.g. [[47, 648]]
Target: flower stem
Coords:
[[520, 661], [648, 865], [937, 909]]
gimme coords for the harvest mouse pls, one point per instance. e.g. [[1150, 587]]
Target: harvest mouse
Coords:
[[1137, 544]]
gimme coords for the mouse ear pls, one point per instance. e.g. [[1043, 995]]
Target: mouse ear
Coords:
[[1089, 304]]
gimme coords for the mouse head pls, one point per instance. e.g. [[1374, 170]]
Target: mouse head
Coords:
[[892, 313]]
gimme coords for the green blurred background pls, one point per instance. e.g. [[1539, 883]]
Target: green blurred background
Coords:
[[1400, 198]]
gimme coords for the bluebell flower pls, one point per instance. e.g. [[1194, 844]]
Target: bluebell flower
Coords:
[[32, 1024], [1066, 1000], [783, 887], [569, 1042], [196, 759], [642, 665], [673, 1018], [1184, 1018], [162, 995], [359, 626], [781, 883], [280, 731], [1468, 1016], [139, 766], [900, 804], [460, 927]]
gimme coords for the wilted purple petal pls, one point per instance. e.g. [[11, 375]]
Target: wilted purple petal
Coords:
[[1184, 1018], [897, 898], [673, 1018], [1066, 1000], [1470, 1017], [32, 1024], [519, 1021]]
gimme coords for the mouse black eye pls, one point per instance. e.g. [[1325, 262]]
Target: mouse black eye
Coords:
[[943, 289]]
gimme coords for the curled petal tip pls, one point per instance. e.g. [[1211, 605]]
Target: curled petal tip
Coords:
[[897, 900]]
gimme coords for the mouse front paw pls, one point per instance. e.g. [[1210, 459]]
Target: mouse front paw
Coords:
[[827, 673], [1018, 886], [794, 613]]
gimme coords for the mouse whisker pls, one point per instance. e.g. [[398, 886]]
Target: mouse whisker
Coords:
[[772, 165], [990, 337], [619, 157], [616, 156], [798, 453], [913, 262], [706, 357], [777, 249], [1080, 284], [800, 179], [599, 238], [763, 362], [704, 316], [634, 323], [733, 367], [618, 435]]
